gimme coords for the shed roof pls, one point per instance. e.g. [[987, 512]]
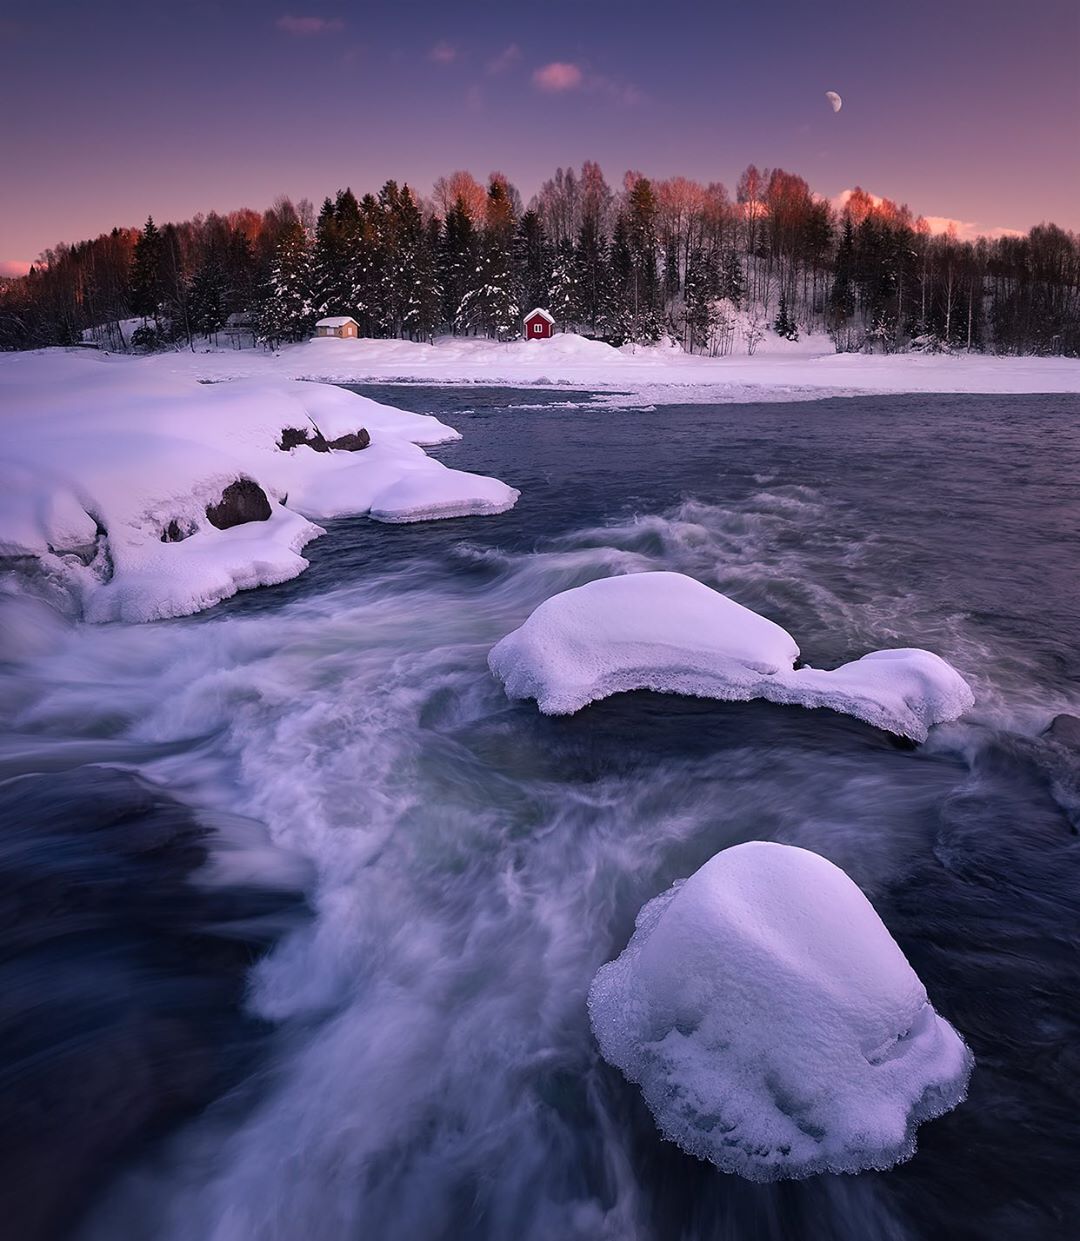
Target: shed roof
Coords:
[[539, 310], [336, 321]]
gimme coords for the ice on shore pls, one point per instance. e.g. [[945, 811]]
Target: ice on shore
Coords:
[[111, 466], [772, 1022], [669, 633]]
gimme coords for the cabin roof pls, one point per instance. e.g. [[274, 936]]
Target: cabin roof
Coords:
[[336, 321], [539, 310]]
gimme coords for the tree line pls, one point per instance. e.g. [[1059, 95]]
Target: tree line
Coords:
[[637, 263]]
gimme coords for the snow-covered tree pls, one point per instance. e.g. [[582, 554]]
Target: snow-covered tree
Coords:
[[287, 310], [489, 303], [784, 325]]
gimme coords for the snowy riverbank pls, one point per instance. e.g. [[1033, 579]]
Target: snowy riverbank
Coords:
[[780, 370], [131, 493]]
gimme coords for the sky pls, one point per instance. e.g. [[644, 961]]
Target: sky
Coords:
[[965, 109]]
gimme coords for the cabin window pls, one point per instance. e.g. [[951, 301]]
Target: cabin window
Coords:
[[538, 328]]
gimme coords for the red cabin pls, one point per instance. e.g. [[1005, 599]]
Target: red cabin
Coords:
[[539, 325]]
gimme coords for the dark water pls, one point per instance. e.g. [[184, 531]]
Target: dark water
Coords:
[[432, 1074]]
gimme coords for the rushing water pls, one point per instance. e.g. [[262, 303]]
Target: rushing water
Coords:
[[432, 1074]]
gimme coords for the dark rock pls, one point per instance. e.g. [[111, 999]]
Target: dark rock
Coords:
[[174, 532], [353, 442], [1065, 730], [240, 502], [121, 984], [312, 437], [295, 437]]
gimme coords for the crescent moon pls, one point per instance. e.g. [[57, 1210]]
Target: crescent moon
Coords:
[[834, 99]]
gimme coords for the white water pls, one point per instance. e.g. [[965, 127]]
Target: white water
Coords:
[[475, 865]]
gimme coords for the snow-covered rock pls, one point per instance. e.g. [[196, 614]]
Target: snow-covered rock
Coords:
[[668, 633], [772, 1022], [114, 468]]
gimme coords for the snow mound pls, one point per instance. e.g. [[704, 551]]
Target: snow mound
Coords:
[[772, 1022], [116, 469], [668, 633]]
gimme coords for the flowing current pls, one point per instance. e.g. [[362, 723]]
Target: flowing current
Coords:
[[430, 1072]]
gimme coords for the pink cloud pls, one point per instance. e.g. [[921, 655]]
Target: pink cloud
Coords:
[[443, 53], [14, 267], [963, 230], [561, 76], [308, 25], [967, 230], [506, 59], [558, 76]]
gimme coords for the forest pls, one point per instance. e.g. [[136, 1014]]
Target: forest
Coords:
[[644, 261]]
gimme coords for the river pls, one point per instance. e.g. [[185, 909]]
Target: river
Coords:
[[426, 1070]]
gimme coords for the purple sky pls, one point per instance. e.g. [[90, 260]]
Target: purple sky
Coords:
[[967, 109]]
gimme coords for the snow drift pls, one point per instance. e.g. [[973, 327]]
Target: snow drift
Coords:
[[772, 1022], [114, 471], [668, 633]]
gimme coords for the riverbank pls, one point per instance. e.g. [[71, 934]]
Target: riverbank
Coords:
[[808, 369]]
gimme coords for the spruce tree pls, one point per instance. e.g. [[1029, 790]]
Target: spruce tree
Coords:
[[564, 302], [419, 285], [642, 242], [287, 312], [592, 272], [489, 304], [619, 325], [699, 293], [842, 293], [533, 259], [784, 324], [207, 306], [148, 273], [732, 285], [457, 261]]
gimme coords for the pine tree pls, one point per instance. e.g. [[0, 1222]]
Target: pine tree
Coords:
[[457, 260], [420, 294], [592, 272], [241, 277], [563, 301], [619, 321], [209, 292], [533, 259], [148, 273], [784, 325], [732, 285], [287, 312], [699, 293], [489, 304], [842, 294], [326, 263], [642, 242]]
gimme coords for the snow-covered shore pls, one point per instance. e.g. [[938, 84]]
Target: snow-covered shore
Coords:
[[113, 461], [133, 493], [780, 370]]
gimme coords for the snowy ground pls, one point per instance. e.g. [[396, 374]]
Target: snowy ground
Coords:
[[780, 370], [131, 493]]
